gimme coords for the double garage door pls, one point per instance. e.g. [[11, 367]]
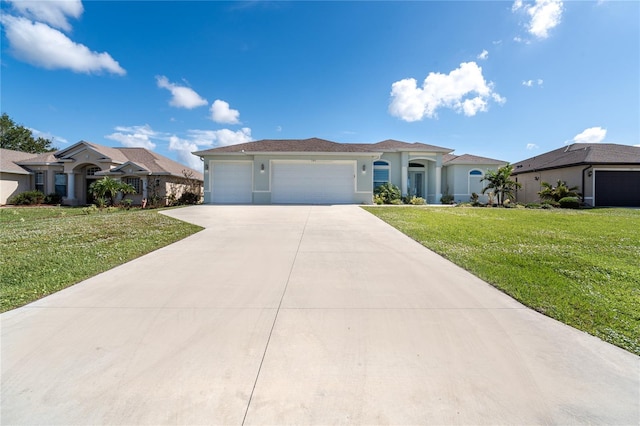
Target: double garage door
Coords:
[[617, 188], [291, 182]]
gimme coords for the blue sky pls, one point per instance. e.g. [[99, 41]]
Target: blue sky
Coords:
[[506, 80]]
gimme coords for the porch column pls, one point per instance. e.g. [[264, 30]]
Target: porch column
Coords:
[[71, 186], [404, 160], [438, 185]]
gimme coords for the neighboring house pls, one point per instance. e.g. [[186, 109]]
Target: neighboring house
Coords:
[[606, 174], [13, 178], [317, 171], [69, 172]]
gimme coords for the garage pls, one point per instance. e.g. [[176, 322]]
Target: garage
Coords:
[[312, 182], [232, 182], [617, 188]]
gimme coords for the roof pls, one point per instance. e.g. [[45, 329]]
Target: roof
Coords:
[[154, 163], [321, 146], [9, 159], [581, 154], [468, 159]]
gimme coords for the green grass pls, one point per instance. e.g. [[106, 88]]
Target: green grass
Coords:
[[46, 249], [581, 267]]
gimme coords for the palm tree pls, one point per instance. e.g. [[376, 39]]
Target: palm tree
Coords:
[[109, 187], [558, 192], [500, 183]]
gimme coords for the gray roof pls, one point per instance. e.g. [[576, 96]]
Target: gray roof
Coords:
[[321, 146], [581, 154], [9, 159], [468, 159]]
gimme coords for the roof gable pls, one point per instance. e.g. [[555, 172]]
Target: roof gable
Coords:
[[468, 159]]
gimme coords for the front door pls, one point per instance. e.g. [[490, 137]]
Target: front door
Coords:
[[416, 182]]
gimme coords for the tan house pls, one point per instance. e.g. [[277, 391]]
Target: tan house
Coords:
[[69, 172], [606, 174]]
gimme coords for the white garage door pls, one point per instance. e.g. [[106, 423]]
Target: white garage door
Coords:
[[232, 181], [312, 182]]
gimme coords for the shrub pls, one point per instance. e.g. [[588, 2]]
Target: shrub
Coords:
[[389, 193], [569, 203], [446, 199], [53, 198], [532, 205], [416, 201], [28, 198], [378, 200], [547, 206], [90, 209], [189, 198]]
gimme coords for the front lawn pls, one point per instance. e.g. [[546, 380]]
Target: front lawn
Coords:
[[45, 249], [581, 267]]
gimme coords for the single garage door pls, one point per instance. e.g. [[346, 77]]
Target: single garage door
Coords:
[[617, 188], [312, 182], [232, 182]]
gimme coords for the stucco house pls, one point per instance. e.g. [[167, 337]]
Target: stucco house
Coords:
[[69, 172], [318, 171], [606, 174]]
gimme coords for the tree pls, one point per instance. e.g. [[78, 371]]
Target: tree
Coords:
[[500, 183], [558, 192], [109, 187], [19, 138]]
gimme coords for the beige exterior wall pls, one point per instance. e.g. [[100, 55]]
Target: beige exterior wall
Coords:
[[532, 182], [13, 184]]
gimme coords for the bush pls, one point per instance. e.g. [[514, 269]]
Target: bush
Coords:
[[446, 199], [547, 206], [189, 198], [569, 203], [53, 198], [28, 198], [532, 205], [378, 200], [416, 201], [389, 193]]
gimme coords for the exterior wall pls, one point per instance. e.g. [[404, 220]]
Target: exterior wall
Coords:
[[461, 185], [363, 190], [532, 182], [13, 184], [574, 176]]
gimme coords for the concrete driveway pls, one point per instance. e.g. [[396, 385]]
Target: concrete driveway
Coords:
[[302, 315]]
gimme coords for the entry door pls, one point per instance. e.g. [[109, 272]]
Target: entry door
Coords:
[[416, 182]]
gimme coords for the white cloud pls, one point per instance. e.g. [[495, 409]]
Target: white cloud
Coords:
[[52, 12], [221, 113], [530, 83], [483, 55], [46, 135], [184, 149], [463, 90], [544, 15], [182, 96], [531, 146], [527, 83], [591, 135], [134, 136], [40, 45], [222, 137]]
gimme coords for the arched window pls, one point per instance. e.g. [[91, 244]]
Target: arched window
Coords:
[[91, 171], [416, 165], [380, 173]]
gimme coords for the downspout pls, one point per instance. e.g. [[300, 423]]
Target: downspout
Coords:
[[584, 170]]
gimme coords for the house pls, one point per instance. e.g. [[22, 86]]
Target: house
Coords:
[[318, 171], [606, 174], [69, 172]]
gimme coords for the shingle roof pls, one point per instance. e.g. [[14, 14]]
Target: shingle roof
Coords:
[[321, 145], [9, 159], [154, 163], [451, 159], [580, 154]]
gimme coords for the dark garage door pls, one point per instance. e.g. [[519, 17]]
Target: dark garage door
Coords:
[[618, 188]]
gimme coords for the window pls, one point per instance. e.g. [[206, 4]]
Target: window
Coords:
[[91, 171], [475, 182], [380, 173], [39, 178], [135, 182], [61, 184]]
